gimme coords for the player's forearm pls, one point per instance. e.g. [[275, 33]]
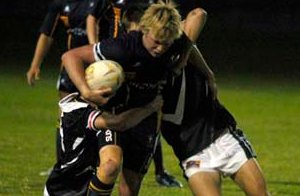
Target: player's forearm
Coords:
[[131, 117], [199, 62], [125, 120], [43, 45], [135, 116]]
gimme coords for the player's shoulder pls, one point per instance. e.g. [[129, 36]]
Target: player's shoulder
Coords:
[[57, 5], [134, 37], [126, 44], [182, 40]]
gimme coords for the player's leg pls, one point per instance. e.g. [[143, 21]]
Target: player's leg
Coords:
[[130, 182], [162, 176], [136, 162], [138, 145], [158, 159], [242, 165], [110, 156], [205, 183], [250, 179], [110, 162]]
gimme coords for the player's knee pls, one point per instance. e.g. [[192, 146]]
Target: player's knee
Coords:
[[109, 168], [259, 189]]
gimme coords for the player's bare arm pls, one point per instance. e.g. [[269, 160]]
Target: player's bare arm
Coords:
[[192, 27], [129, 118], [199, 62], [43, 45], [92, 29], [194, 23], [74, 61]]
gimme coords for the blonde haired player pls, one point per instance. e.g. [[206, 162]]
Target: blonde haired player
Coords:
[[90, 151], [146, 57]]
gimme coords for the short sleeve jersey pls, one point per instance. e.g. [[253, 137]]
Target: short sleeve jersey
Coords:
[[71, 14], [144, 72], [109, 22], [203, 118], [111, 12], [98, 8]]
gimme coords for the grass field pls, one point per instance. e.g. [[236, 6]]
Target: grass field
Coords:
[[267, 109]]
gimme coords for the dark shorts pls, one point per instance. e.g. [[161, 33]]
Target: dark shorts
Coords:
[[64, 83], [139, 144]]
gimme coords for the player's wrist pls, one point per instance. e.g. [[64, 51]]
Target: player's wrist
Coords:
[[85, 92], [156, 104]]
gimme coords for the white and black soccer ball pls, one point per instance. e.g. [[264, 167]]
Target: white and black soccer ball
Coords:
[[104, 73]]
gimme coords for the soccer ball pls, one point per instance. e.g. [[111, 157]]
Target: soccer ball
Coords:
[[104, 73]]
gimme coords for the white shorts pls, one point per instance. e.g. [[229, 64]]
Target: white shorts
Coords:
[[226, 155]]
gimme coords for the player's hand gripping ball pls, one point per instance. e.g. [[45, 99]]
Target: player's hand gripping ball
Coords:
[[104, 73]]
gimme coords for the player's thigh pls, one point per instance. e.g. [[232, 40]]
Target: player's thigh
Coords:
[[109, 146], [205, 183], [250, 178]]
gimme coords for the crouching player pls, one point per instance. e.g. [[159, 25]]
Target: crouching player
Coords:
[[91, 157]]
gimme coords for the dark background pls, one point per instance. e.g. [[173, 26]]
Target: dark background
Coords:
[[240, 36]]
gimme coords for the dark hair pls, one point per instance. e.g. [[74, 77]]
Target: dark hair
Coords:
[[133, 14]]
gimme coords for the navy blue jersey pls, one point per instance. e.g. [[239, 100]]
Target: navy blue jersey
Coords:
[[143, 71], [98, 7], [111, 12], [102, 9], [79, 145], [201, 119], [71, 14]]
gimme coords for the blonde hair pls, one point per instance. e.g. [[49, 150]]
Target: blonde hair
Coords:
[[162, 20]]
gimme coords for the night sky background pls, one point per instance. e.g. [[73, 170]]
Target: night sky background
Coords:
[[240, 36]]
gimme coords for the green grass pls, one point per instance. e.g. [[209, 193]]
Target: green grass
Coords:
[[267, 109]]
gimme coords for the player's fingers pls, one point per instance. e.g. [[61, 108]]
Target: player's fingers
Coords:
[[29, 79], [105, 90], [100, 96], [37, 75]]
